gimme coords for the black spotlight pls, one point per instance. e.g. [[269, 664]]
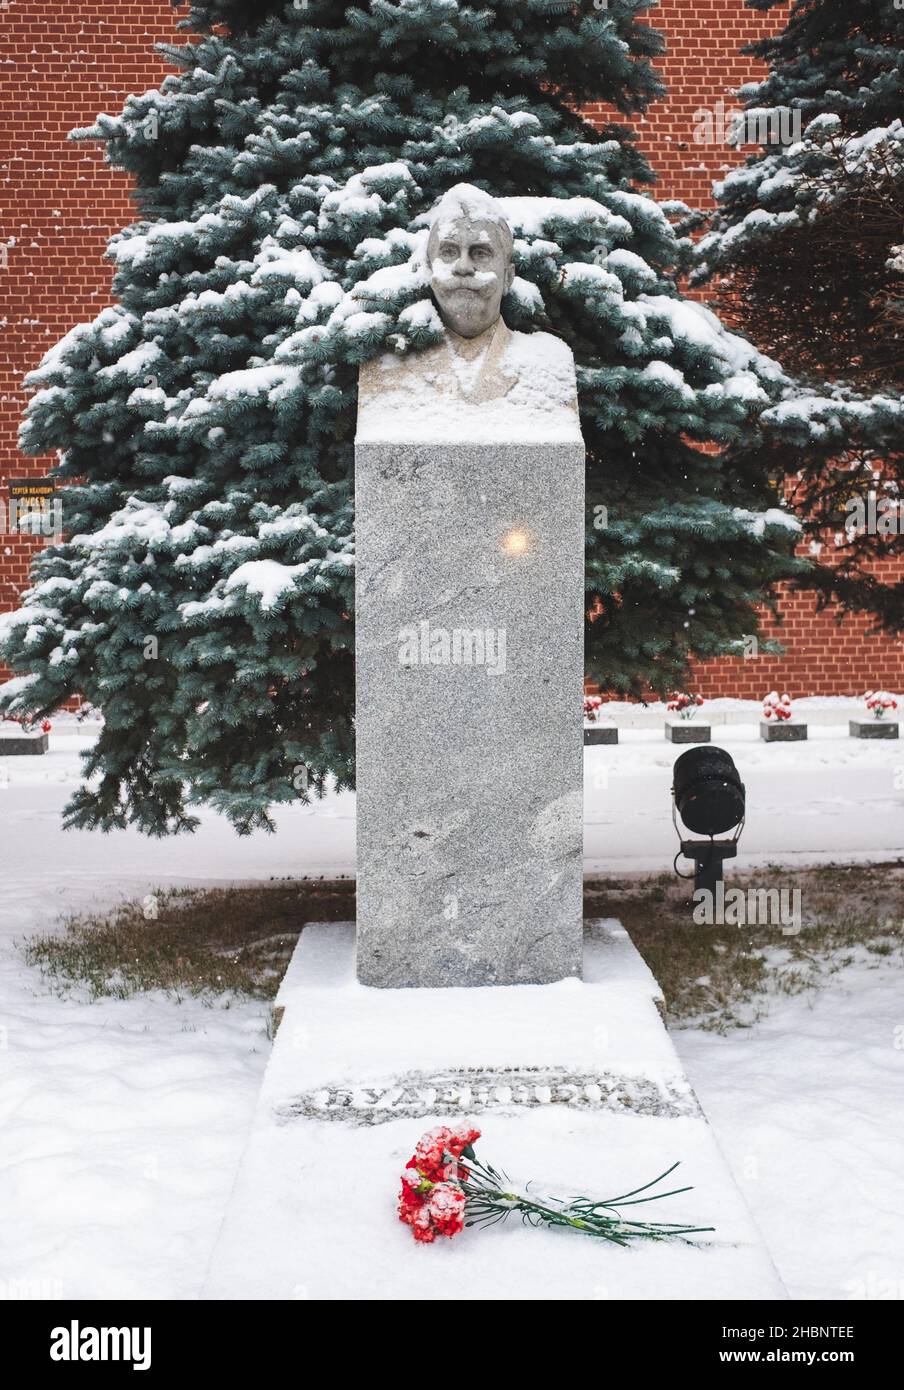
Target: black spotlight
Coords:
[[709, 796]]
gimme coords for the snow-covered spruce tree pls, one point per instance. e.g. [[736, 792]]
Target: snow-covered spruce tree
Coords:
[[808, 249], [203, 595]]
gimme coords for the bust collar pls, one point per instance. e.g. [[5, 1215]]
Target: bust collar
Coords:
[[492, 380]]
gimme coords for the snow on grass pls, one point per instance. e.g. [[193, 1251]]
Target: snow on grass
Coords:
[[805, 1108], [123, 1123]]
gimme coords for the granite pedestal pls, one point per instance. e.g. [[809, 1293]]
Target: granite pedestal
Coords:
[[469, 658]]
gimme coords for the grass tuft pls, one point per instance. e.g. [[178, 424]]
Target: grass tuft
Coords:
[[218, 943], [722, 977], [205, 942]]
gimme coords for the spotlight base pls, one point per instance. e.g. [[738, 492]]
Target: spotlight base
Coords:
[[709, 857]]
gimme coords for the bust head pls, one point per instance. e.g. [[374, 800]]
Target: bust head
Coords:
[[469, 255]]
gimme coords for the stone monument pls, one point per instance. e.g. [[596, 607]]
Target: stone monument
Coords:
[[469, 503], [470, 532]]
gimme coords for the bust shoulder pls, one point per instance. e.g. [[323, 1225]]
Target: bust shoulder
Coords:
[[540, 344], [518, 385], [543, 368]]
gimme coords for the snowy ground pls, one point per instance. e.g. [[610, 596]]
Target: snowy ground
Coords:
[[122, 1124], [122, 1121], [807, 1107]]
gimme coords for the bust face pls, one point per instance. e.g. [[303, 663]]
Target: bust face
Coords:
[[470, 270]]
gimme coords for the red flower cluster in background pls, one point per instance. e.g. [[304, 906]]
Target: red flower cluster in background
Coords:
[[592, 706], [878, 701], [432, 1201], [683, 704], [777, 706], [25, 724]]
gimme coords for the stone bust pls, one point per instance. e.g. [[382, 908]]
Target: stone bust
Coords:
[[469, 256], [524, 381]]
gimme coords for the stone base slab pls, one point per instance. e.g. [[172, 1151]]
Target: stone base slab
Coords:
[[574, 1084], [23, 745], [788, 732], [872, 728], [683, 731], [600, 733]]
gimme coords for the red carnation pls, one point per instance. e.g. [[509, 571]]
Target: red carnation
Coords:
[[437, 1212], [431, 1199], [438, 1152], [410, 1202], [446, 1206]]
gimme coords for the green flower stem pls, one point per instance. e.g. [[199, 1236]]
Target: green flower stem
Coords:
[[489, 1201]]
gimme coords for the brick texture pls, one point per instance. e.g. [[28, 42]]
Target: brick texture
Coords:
[[61, 63]]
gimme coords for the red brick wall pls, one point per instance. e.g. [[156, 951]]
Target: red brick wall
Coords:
[[61, 63], [702, 66]]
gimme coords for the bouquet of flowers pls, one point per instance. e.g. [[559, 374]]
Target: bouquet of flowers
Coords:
[[592, 706], [777, 706], [441, 1194], [878, 701], [684, 705]]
